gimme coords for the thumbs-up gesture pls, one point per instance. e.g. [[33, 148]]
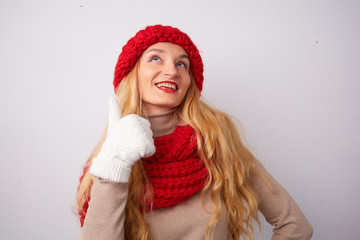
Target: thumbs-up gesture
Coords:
[[128, 139]]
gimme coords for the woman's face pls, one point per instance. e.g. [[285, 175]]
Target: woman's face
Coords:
[[164, 77]]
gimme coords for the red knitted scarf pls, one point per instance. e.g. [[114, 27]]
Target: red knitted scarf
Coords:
[[175, 170]]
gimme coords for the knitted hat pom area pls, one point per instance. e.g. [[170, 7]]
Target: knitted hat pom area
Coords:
[[143, 39]]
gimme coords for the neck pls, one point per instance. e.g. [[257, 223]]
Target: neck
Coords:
[[162, 123]]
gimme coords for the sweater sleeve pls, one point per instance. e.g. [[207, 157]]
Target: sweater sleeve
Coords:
[[106, 213], [280, 209]]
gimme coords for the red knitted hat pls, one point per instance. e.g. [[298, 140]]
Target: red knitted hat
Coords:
[[133, 49]]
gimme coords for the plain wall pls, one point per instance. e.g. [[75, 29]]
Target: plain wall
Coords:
[[288, 70]]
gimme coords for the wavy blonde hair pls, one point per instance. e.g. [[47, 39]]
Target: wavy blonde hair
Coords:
[[227, 159]]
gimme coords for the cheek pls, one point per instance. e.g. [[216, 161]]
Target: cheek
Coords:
[[144, 86], [186, 84], [145, 90], [187, 81], [144, 72], [145, 78]]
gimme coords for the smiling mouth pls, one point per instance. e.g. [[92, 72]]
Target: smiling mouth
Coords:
[[166, 85]]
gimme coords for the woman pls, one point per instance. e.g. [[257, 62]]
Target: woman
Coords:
[[171, 167]]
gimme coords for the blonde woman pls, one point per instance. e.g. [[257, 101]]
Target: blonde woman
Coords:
[[170, 166]]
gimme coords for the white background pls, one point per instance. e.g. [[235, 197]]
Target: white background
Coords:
[[289, 70]]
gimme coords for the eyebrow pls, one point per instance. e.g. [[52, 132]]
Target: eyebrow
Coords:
[[155, 50], [185, 56], [162, 51]]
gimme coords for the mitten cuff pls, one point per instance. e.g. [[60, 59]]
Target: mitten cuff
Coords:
[[111, 170]]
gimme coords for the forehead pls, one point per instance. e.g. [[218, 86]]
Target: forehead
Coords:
[[167, 47]]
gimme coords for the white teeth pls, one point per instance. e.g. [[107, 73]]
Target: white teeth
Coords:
[[167, 85]]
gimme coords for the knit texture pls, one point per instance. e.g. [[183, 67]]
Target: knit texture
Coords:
[[133, 49], [176, 172], [128, 139]]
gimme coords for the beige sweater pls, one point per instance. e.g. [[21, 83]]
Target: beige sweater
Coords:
[[188, 220]]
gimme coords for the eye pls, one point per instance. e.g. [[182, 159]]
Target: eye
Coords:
[[182, 64], [155, 59]]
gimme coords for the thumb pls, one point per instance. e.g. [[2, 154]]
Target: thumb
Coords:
[[114, 110]]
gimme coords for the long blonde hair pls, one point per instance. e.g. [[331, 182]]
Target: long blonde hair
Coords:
[[229, 162]]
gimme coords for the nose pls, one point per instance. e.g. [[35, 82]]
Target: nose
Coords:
[[170, 69]]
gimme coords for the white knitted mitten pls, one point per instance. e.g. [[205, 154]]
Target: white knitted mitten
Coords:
[[128, 139]]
